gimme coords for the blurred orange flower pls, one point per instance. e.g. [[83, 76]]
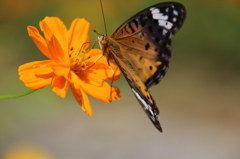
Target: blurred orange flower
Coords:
[[69, 64], [26, 151]]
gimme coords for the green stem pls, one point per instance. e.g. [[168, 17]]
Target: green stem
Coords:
[[17, 95]]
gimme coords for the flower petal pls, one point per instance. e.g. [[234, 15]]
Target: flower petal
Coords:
[[78, 34], [60, 86], [36, 75], [98, 88], [101, 68], [39, 40], [57, 52], [53, 26], [115, 94], [80, 95], [60, 70]]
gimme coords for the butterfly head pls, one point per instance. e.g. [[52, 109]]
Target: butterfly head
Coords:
[[108, 46]]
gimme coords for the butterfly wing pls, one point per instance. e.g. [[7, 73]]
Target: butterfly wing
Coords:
[[128, 64], [141, 47], [148, 35]]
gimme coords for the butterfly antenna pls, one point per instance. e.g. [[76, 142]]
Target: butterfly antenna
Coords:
[[95, 31], [104, 21]]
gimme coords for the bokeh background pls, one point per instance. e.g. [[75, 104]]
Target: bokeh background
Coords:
[[199, 98]]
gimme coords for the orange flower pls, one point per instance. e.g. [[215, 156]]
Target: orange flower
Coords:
[[69, 64]]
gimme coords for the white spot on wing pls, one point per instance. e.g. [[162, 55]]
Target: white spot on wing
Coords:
[[164, 32], [152, 8], [165, 24], [157, 15], [175, 12], [167, 9], [146, 106], [162, 19], [174, 19], [160, 16]]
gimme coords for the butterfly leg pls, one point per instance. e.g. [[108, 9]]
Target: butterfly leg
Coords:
[[111, 84], [88, 42], [91, 64], [110, 67]]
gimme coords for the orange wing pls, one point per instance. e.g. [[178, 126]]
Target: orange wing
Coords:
[[130, 65], [141, 47]]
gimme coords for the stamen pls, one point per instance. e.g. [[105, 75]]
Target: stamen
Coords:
[[77, 61]]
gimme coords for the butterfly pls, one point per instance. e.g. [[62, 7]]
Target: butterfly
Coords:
[[141, 47]]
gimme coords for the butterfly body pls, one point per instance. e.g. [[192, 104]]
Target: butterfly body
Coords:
[[141, 47]]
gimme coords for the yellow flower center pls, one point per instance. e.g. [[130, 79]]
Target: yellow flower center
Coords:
[[78, 60]]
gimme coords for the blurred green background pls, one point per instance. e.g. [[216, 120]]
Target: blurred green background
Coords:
[[199, 98]]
